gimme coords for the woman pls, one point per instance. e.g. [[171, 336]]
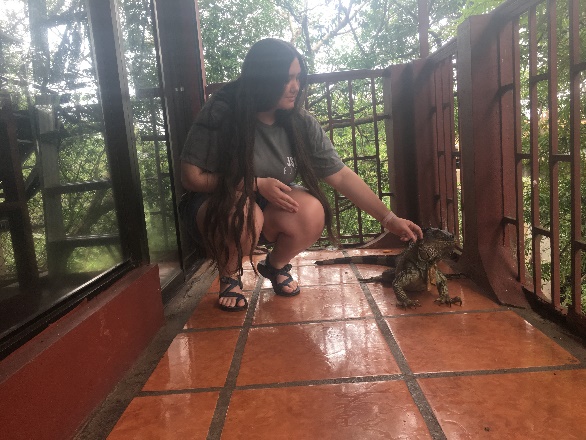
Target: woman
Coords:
[[247, 146]]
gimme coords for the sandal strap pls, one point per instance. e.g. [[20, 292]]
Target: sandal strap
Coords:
[[274, 271], [232, 281], [284, 270], [228, 293]]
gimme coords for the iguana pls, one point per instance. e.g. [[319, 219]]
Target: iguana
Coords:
[[414, 269]]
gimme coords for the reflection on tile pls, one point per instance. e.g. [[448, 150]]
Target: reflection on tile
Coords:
[[357, 251], [249, 279], [207, 314], [380, 410], [170, 417], [313, 304], [315, 351], [474, 341], [195, 360], [308, 258], [465, 289], [215, 286], [314, 275], [537, 406]]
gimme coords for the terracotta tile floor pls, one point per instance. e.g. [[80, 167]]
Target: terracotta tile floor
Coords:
[[341, 361]]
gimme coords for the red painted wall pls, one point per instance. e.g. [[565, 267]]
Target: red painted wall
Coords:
[[49, 386]]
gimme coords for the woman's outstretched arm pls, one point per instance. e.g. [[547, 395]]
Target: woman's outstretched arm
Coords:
[[348, 183]]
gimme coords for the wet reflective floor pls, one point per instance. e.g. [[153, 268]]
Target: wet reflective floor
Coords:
[[341, 361]]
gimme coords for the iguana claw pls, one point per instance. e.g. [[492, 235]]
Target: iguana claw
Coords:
[[449, 300], [407, 304]]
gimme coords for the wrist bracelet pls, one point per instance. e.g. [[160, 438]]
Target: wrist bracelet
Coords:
[[391, 215]]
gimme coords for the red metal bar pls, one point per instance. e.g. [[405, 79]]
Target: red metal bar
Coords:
[[452, 155], [438, 142], [485, 255], [425, 144], [575, 145], [518, 143], [554, 209], [534, 151], [398, 91]]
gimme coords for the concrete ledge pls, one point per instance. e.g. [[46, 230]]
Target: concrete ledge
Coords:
[[49, 386]]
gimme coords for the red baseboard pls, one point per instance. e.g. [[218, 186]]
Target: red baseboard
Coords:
[[50, 385]]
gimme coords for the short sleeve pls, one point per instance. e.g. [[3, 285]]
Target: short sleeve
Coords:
[[203, 140], [324, 157]]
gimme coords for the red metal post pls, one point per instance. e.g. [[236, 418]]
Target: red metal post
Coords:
[[486, 256]]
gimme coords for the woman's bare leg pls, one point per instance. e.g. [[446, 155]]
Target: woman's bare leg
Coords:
[[232, 266], [292, 233]]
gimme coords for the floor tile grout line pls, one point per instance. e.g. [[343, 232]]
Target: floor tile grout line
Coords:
[[329, 381], [221, 410], [498, 309], [344, 319], [415, 390], [375, 378], [500, 371], [147, 393]]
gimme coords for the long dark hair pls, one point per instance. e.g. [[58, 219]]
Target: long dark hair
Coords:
[[264, 74]]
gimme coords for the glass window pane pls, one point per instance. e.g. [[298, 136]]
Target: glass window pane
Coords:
[[149, 126], [47, 74]]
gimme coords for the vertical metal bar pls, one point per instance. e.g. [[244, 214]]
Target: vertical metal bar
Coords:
[[447, 142], [376, 137], [554, 209], [447, 107], [439, 135], [354, 149], [534, 150], [452, 146], [509, 117], [119, 128], [520, 226], [575, 145], [327, 86]]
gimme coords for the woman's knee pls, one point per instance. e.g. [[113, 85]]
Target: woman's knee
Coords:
[[312, 209], [310, 215]]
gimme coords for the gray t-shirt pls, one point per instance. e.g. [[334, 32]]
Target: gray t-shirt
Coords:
[[273, 156]]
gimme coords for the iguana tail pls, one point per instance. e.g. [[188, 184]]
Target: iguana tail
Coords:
[[379, 260]]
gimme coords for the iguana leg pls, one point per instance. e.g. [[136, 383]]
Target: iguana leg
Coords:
[[442, 287], [399, 287], [386, 277]]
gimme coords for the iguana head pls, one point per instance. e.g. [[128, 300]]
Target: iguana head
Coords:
[[435, 244]]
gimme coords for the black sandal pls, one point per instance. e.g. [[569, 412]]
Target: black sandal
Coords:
[[268, 271], [227, 293]]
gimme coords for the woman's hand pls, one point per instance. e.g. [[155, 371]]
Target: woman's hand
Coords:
[[405, 229], [275, 192]]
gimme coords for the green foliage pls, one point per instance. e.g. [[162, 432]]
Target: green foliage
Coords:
[[230, 27]]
